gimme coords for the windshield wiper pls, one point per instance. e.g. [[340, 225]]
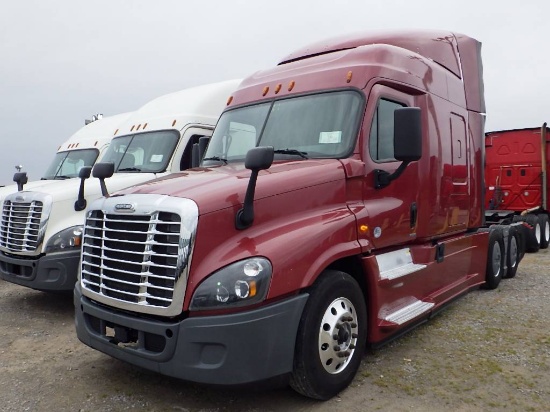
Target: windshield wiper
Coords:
[[62, 177], [130, 169], [303, 155], [216, 159]]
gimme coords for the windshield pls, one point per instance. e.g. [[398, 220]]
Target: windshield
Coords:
[[314, 126], [144, 152], [66, 165]]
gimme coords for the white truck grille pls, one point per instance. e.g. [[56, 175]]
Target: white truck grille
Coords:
[[20, 225]]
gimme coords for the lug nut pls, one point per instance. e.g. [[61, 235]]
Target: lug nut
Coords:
[[336, 348]]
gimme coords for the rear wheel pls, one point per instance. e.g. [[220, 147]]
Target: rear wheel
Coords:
[[331, 337], [495, 259], [544, 231], [513, 255], [533, 240]]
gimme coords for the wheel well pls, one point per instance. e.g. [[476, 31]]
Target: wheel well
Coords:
[[352, 266]]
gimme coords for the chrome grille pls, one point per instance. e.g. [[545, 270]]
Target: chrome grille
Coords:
[[132, 258], [20, 225]]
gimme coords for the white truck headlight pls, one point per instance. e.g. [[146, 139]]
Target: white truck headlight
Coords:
[[239, 284], [67, 239]]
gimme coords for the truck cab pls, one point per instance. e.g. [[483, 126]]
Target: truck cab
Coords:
[[338, 204], [83, 148], [156, 140]]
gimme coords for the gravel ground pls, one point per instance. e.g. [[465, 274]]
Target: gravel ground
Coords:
[[489, 351]]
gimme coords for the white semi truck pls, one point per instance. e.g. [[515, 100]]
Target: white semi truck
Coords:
[[40, 230], [83, 148]]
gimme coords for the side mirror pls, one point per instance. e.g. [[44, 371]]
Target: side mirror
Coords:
[[21, 179], [407, 134], [83, 174], [258, 158], [103, 171], [407, 143]]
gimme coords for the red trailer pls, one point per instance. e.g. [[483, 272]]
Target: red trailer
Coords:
[[516, 163]]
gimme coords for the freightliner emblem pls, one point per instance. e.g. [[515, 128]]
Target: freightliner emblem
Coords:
[[125, 207]]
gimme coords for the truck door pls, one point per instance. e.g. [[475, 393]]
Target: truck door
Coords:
[[393, 209]]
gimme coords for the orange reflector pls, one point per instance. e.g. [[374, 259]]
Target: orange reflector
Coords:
[[253, 290], [363, 228], [174, 123], [76, 241], [229, 100], [266, 89], [291, 85], [278, 88], [348, 77]]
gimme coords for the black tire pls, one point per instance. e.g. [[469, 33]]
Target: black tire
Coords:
[[513, 252], [335, 309], [544, 231], [533, 240], [495, 259]]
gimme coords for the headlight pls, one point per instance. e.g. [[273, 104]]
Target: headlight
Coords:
[[65, 240], [239, 284]]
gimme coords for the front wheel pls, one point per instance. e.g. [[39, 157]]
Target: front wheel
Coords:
[[331, 337]]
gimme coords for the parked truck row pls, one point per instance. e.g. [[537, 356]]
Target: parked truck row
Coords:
[[41, 229], [339, 202]]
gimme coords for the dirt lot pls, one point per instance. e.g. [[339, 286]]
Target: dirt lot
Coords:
[[489, 351]]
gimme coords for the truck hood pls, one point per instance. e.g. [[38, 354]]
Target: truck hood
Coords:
[[35, 185], [221, 187], [67, 190]]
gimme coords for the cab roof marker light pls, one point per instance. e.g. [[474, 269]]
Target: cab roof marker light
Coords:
[[144, 126], [116, 131], [291, 85], [174, 123], [349, 76], [278, 88], [95, 144], [132, 128], [266, 89], [139, 127], [229, 100]]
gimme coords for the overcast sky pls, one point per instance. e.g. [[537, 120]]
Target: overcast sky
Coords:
[[63, 60]]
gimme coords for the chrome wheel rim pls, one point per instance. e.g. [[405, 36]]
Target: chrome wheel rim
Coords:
[[496, 259], [338, 335]]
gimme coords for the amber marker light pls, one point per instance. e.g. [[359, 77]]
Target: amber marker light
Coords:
[[144, 126], [291, 85], [252, 286], [116, 131], [348, 77], [132, 128], [278, 88], [229, 100], [174, 123], [363, 229], [266, 89], [139, 127]]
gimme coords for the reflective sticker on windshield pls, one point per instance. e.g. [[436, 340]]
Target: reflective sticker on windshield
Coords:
[[330, 137], [156, 158]]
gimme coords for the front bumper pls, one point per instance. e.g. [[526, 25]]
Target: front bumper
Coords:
[[225, 349], [54, 272]]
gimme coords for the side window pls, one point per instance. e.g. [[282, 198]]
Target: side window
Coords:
[[381, 132]]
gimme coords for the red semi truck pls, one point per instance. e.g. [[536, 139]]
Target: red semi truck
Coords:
[[516, 179], [339, 203]]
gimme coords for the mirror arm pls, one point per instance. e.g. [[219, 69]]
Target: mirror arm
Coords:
[[383, 178]]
